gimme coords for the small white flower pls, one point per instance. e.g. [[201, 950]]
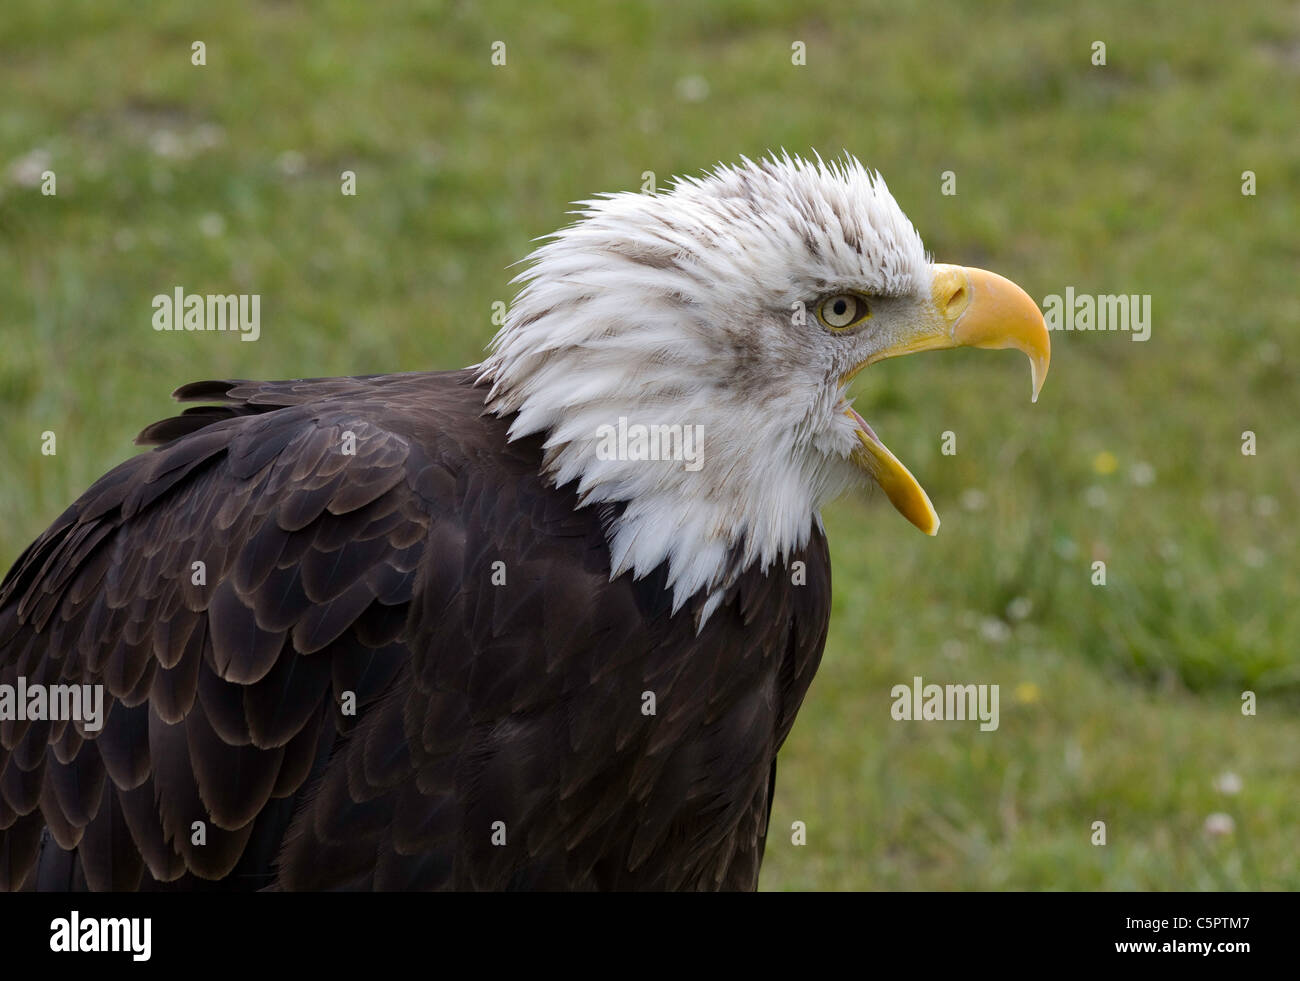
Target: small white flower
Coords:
[[208, 135], [26, 170], [1142, 474], [1073, 756], [973, 499], [692, 88], [212, 225], [1265, 506], [1218, 824], [994, 630], [1020, 608], [165, 143], [1227, 783], [291, 163]]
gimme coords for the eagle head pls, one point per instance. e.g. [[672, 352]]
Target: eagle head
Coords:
[[687, 354]]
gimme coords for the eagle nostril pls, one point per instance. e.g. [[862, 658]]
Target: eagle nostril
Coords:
[[957, 301]]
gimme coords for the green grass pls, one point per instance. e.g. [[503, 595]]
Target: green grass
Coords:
[[1119, 703]]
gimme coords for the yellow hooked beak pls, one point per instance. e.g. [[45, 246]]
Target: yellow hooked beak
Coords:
[[967, 308]]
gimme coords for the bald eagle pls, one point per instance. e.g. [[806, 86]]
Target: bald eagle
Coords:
[[542, 623]]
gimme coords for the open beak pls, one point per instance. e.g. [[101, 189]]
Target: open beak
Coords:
[[967, 308]]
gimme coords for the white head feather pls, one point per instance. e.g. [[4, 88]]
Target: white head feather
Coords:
[[687, 308]]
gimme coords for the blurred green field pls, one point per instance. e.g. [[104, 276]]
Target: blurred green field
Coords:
[[1119, 703]]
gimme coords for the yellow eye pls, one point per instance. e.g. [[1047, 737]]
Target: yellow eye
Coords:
[[843, 310]]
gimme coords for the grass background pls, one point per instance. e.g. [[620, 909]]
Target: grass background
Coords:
[[1119, 703]]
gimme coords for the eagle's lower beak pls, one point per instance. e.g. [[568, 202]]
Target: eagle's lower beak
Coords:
[[967, 308]]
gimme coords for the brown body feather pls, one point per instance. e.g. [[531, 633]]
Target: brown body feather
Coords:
[[371, 573]]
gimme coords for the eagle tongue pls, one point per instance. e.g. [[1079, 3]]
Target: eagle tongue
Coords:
[[863, 423]]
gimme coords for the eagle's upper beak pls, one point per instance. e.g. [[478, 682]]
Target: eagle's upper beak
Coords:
[[967, 308]]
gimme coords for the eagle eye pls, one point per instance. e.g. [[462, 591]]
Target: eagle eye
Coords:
[[843, 310]]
